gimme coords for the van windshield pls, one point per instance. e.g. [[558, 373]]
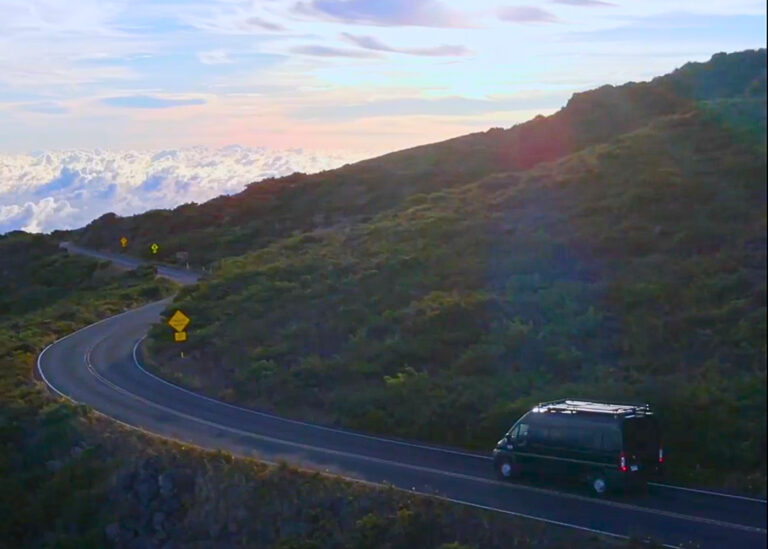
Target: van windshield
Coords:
[[641, 436]]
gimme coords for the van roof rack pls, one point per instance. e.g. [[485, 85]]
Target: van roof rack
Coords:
[[569, 406]]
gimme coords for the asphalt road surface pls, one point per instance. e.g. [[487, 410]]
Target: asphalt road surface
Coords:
[[100, 366], [181, 276]]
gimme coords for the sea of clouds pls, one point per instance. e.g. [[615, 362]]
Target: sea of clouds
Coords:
[[44, 191]]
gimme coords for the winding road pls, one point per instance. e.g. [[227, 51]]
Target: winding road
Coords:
[[100, 366]]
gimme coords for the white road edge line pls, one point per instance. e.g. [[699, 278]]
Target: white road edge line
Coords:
[[49, 384], [548, 521], [358, 480], [51, 344], [299, 422], [384, 439], [470, 478], [377, 484], [707, 492]]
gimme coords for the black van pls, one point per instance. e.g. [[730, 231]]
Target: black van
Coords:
[[602, 444]]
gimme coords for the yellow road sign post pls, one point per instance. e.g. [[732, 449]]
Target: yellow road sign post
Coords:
[[178, 321], [123, 242]]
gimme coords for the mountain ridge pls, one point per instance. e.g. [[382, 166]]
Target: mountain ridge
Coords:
[[274, 208]]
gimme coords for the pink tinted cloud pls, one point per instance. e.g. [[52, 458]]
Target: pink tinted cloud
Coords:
[[526, 14], [422, 13]]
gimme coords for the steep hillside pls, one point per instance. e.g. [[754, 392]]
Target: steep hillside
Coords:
[[71, 479], [630, 270], [268, 210]]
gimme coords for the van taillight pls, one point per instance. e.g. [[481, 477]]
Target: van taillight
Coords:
[[622, 463], [661, 454]]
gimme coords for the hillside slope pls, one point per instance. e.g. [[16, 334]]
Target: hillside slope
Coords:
[[630, 270], [272, 209], [72, 479]]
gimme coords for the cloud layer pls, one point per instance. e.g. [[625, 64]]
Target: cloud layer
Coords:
[[372, 43], [423, 13], [149, 102], [526, 14], [121, 75], [66, 189]]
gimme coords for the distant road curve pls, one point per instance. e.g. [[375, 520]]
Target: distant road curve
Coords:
[[100, 366], [182, 276]]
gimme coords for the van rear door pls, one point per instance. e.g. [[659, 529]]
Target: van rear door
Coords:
[[641, 442]]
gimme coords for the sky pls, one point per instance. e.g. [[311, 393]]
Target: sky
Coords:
[[312, 83]]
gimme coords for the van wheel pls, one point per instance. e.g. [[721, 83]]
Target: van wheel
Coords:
[[598, 485], [506, 470]]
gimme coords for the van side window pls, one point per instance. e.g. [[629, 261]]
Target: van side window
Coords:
[[520, 434], [519, 431]]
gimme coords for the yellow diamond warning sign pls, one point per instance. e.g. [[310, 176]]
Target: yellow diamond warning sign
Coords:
[[179, 336], [178, 321]]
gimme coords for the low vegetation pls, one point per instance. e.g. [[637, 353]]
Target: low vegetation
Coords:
[[72, 479], [633, 270]]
